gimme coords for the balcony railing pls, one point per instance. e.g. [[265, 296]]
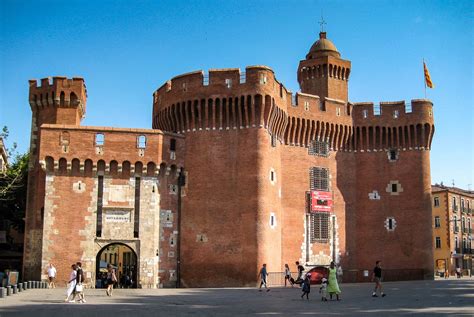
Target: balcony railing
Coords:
[[464, 230], [466, 251], [458, 250], [456, 229]]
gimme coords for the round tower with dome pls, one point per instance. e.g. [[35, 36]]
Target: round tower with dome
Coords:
[[324, 73]]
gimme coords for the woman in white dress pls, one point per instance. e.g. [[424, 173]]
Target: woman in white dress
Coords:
[[71, 284]]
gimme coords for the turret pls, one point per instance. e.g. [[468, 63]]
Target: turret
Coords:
[[323, 72], [62, 101]]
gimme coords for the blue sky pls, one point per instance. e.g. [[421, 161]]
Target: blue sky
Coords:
[[127, 49]]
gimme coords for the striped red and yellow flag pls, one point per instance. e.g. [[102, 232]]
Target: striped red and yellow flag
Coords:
[[428, 81]]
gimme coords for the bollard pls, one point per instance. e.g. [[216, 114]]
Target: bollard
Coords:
[[9, 290], [20, 287], [15, 289], [36, 284], [45, 285], [30, 284], [1, 292], [25, 286]]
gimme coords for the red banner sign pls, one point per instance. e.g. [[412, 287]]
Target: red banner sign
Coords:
[[321, 201]]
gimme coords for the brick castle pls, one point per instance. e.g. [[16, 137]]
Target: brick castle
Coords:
[[237, 171]]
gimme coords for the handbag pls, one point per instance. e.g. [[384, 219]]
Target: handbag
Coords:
[[79, 288]]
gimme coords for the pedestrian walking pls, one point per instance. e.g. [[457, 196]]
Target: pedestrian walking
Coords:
[[377, 278], [79, 281], [71, 285], [324, 289], [263, 278], [51, 275], [300, 268], [288, 275], [333, 286], [458, 272], [111, 279], [306, 286]]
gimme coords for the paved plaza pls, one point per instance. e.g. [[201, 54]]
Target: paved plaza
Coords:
[[419, 298]]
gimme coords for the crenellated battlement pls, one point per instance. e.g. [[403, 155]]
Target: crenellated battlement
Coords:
[[393, 112], [60, 92], [144, 151], [227, 78]]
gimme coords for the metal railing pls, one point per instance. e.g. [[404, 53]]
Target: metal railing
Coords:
[[276, 279]]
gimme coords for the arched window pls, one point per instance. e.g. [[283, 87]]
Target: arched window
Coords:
[[75, 166], [62, 166], [113, 167], [138, 168], [141, 141], [99, 139]]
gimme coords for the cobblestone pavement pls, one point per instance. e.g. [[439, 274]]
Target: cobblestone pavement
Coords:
[[454, 297]]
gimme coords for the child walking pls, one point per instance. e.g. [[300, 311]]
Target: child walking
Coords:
[[306, 286], [324, 289]]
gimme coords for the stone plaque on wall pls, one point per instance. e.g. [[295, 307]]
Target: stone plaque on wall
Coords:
[[117, 216]]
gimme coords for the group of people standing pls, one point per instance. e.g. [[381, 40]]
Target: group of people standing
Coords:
[[329, 286]]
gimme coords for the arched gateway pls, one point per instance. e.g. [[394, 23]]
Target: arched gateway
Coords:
[[124, 261]]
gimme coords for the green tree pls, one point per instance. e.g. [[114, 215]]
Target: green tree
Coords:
[[13, 184]]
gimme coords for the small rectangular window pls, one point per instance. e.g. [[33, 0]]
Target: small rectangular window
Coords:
[[274, 140], [228, 83], [437, 222], [365, 113], [319, 227], [436, 201], [393, 155], [394, 188], [263, 79], [318, 148], [185, 88], [99, 139], [319, 178], [390, 224], [338, 111], [205, 80], [243, 77], [395, 114], [438, 243], [173, 145]]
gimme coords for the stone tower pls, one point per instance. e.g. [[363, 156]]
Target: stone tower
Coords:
[[60, 101], [324, 73]]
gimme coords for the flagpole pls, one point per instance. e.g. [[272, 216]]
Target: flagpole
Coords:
[[424, 76]]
